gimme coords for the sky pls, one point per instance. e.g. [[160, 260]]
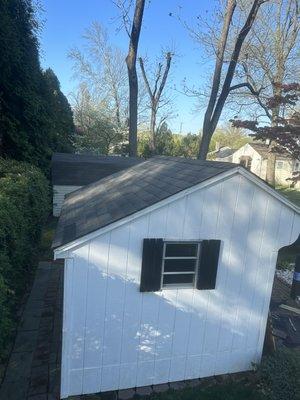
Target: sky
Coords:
[[64, 22]]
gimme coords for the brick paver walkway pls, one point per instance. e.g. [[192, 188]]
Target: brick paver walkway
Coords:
[[33, 371]]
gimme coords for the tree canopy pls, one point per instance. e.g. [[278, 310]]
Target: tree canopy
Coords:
[[36, 118]]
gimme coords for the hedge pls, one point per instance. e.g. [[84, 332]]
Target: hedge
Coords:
[[24, 207], [279, 375]]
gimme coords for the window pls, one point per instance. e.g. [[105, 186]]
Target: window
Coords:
[[171, 264], [243, 162], [279, 164], [246, 162], [297, 166], [179, 264]]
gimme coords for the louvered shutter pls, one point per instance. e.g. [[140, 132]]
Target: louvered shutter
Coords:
[[151, 265], [208, 264]]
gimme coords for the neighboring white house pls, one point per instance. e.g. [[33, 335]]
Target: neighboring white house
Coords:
[[253, 156], [168, 273], [72, 171]]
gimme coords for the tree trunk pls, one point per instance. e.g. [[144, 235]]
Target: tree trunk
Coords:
[[220, 93], [133, 101], [271, 162], [132, 75], [205, 141], [155, 95], [152, 130]]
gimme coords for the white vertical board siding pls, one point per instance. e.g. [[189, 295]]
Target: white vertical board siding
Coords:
[[116, 337], [59, 194]]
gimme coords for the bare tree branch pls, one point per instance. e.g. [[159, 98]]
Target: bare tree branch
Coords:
[[155, 94], [219, 95]]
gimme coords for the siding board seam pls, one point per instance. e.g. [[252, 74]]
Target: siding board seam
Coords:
[[267, 292], [85, 319], [161, 297], [124, 302], [267, 297], [173, 335], [221, 319], [141, 315], [257, 268], [209, 292], [105, 309], [243, 268]]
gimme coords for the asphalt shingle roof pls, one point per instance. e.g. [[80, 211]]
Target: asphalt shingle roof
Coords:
[[263, 150], [83, 169], [126, 192]]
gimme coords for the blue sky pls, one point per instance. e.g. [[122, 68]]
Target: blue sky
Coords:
[[66, 20]]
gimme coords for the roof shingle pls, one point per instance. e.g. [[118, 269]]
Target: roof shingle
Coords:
[[126, 192], [83, 169]]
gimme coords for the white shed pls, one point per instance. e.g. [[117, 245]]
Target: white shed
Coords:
[[168, 273]]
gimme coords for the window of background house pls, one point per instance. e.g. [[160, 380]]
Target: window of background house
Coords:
[[179, 264], [279, 164], [246, 162]]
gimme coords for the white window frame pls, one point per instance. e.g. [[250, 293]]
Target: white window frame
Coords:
[[195, 272]]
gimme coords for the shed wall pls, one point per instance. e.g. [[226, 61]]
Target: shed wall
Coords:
[[116, 337], [59, 193]]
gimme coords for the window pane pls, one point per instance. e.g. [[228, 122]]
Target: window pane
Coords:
[[179, 265], [181, 279], [181, 250]]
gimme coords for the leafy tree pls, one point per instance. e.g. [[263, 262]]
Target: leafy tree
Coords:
[[59, 113], [230, 136], [168, 143], [95, 131], [26, 121], [100, 67]]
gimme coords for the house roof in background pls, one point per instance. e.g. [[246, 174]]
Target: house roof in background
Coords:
[[127, 192], [263, 150], [83, 169], [224, 152]]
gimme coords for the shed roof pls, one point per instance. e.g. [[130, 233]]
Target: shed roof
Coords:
[[224, 152], [83, 169], [126, 192], [263, 150]]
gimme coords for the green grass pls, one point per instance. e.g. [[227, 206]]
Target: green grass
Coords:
[[292, 194]]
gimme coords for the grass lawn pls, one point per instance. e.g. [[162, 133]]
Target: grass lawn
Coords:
[[292, 194]]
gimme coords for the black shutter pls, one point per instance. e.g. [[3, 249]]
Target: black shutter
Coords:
[[151, 265], [208, 264]]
